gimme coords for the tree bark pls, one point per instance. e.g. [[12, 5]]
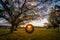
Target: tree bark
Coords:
[[12, 28], [15, 28]]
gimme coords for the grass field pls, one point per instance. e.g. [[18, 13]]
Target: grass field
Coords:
[[38, 34]]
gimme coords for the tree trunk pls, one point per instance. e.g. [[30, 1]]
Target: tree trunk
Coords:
[[15, 28], [58, 29], [12, 28]]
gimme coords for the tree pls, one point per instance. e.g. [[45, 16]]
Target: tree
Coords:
[[13, 16], [54, 18]]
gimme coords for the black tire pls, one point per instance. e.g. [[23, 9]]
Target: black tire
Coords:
[[31, 30]]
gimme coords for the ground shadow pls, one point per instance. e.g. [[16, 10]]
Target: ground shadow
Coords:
[[5, 34]]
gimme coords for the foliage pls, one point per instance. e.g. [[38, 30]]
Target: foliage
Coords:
[[54, 18]]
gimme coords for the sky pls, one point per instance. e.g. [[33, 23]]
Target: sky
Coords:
[[38, 22], [49, 9], [43, 8]]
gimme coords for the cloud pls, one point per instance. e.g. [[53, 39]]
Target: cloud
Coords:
[[38, 22]]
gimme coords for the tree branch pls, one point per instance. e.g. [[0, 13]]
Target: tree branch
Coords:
[[5, 18], [6, 8], [21, 11]]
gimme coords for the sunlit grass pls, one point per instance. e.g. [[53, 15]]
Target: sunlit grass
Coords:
[[38, 34]]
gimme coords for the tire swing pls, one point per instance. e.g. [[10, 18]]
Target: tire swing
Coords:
[[29, 28]]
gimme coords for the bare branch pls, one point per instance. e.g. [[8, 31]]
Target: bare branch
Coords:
[[21, 11], [6, 8], [5, 18]]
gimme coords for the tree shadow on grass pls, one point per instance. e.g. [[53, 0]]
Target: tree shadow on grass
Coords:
[[5, 34]]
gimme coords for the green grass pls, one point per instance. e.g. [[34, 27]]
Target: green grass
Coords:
[[38, 34]]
